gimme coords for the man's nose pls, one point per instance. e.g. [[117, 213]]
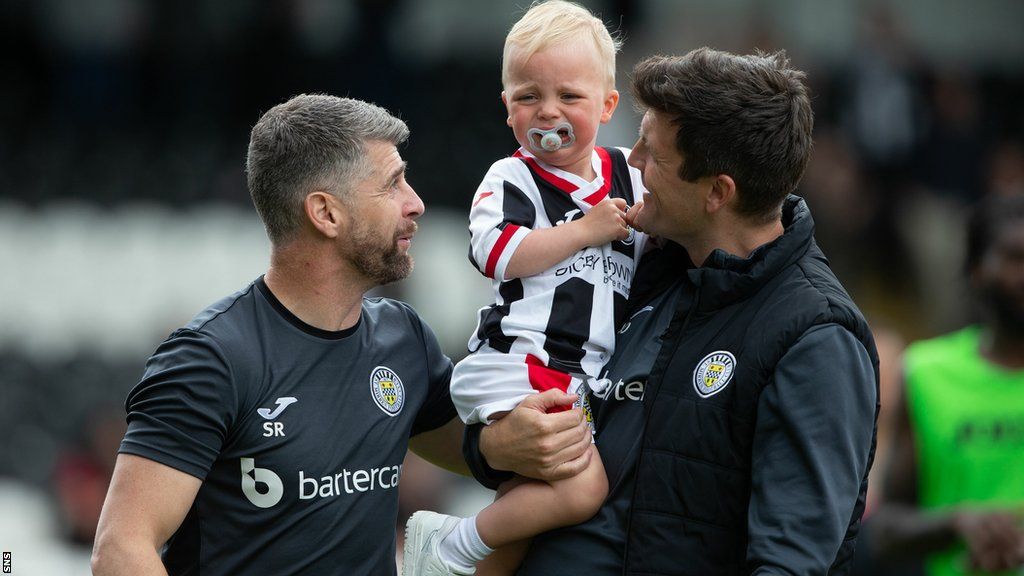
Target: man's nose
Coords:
[[414, 206], [634, 157]]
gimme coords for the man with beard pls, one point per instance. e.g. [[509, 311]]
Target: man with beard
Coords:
[[267, 435], [954, 490]]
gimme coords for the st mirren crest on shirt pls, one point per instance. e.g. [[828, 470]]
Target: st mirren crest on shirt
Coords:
[[583, 403], [631, 238], [713, 373], [387, 390]]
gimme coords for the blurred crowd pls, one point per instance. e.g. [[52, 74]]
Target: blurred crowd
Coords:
[[128, 101]]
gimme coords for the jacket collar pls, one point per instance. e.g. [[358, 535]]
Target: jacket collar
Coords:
[[725, 278]]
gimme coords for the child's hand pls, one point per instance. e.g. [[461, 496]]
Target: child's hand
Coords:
[[606, 222], [633, 214]]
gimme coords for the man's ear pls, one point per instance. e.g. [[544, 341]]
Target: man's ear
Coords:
[[611, 101], [722, 194], [324, 212]]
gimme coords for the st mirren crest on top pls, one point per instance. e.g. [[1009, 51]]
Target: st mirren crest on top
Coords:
[[387, 390], [632, 236], [713, 373]]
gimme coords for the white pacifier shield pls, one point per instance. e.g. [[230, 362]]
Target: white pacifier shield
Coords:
[[551, 140]]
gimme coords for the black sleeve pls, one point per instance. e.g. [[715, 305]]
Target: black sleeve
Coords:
[[810, 455], [484, 474], [180, 412], [438, 409]]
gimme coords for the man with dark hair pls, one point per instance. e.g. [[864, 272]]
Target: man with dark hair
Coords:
[[267, 435], [740, 430], [747, 117], [954, 490]]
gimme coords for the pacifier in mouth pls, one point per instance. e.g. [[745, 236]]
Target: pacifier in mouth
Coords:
[[552, 140]]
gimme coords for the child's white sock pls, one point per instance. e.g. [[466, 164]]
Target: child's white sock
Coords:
[[463, 548]]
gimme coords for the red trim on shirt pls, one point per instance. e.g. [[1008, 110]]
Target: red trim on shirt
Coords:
[[543, 378], [569, 187], [499, 246], [481, 197], [606, 172], [560, 183]]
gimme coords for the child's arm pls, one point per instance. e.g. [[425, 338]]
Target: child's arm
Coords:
[[542, 249]]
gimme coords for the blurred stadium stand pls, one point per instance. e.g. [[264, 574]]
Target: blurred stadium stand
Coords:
[[124, 124]]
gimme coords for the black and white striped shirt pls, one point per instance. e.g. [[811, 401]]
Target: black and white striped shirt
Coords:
[[566, 315]]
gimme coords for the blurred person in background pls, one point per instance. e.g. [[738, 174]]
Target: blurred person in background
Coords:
[[1006, 169], [267, 435], [890, 344], [955, 486], [729, 449], [880, 116], [82, 474]]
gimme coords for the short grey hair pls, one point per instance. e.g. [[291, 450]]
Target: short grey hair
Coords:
[[311, 142]]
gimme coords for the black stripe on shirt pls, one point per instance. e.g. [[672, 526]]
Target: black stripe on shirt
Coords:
[[491, 317], [569, 324], [517, 207]]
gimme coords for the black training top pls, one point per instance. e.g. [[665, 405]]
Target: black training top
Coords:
[[598, 545], [801, 429], [297, 433]]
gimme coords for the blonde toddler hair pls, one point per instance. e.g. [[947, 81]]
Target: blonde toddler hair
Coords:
[[553, 22]]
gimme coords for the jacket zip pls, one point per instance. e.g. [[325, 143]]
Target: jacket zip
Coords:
[[647, 417]]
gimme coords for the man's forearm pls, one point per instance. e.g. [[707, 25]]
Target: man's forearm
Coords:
[[118, 556], [477, 461], [531, 442], [145, 505], [442, 447]]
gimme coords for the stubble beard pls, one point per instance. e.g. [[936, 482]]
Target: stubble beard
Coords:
[[381, 263]]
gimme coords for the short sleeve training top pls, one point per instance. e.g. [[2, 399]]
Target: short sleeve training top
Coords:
[[297, 433]]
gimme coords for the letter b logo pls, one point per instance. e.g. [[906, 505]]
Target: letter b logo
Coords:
[[251, 475]]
